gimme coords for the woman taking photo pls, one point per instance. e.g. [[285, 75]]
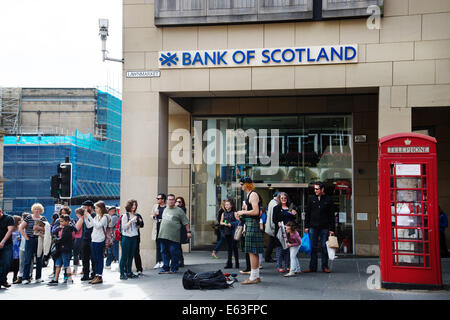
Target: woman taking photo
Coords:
[[130, 223], [250, 214], [98, 237]]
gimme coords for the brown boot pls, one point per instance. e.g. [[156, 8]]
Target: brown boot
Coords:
[[97, 280], [94, 279]]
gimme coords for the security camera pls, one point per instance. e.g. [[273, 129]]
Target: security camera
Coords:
[[103, 25]]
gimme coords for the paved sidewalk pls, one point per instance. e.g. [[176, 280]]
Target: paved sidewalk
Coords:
[[348, 280]]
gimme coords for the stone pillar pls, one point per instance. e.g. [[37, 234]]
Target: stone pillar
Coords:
[[144, 159], [392, 119], [179, 175]]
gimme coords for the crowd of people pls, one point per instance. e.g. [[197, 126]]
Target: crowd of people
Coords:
[[98, 230], [319, 223]]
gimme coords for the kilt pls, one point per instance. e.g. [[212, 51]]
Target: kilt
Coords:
[[254, 241]]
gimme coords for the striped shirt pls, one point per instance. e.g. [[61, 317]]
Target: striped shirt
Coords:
[[30, 224]]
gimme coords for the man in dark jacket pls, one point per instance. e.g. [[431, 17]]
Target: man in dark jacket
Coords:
[[319, 222]]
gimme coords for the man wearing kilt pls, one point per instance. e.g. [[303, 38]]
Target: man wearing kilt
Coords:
[[250, 215]]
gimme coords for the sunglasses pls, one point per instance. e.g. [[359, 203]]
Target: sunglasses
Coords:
[[158, 198], [316, 188]]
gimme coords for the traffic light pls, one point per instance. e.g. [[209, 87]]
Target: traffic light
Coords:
[[65, 173], [55, 185]]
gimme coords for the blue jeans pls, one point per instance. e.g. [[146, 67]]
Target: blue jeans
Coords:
[[31, 246], [113, 253], [314, 234], [220, 241], [170, 254], [128, 249], [97, 256], [6, 255], [282, 256], [63, 260]]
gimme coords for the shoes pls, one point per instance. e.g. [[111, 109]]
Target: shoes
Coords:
[[261, 266], [158, 265], [181, 265], [28, 281], [270, 260], [228, 266], [5, 284], [97, 280], [38, 280], [18, 281], [289, 275], [140, 273], [244, 272], [53, 283], [309, 271], [107, 267], [248, 281], [68, 281], [297, 272], [84, 278], [214, 256], [123, 277], [326, 270], [281, 270], [132, 276]]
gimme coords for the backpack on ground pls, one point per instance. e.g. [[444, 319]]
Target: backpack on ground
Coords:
[[204, 280]]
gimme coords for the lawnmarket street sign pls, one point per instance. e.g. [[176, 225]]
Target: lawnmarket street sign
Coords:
[[259, 57]]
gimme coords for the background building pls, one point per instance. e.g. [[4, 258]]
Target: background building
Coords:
[[399, 83], [50, 124]]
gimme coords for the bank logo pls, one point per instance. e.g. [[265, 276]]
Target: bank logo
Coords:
[[168, 59]]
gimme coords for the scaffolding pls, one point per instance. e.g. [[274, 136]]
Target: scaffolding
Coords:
[[10, 105], [30, 160]]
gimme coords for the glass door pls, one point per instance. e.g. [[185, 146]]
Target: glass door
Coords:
[[409, 214]]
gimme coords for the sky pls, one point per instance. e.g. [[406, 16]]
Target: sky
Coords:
[[55, 43]]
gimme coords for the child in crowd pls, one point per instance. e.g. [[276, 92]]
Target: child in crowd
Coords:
[[16, 238], [22, 253], [293, 242], [64, 244]]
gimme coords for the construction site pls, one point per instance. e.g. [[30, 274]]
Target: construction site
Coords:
[[41, 127]]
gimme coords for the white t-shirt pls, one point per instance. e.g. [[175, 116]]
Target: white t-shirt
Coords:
[[98, 233]]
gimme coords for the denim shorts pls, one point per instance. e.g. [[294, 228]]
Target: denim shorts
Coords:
[[63, 260]]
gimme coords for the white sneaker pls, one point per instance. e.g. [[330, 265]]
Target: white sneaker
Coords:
[[158, 265], [107, 267], [38, 281], [26, 281]]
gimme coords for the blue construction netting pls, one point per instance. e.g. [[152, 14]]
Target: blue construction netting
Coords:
[[30, 161]]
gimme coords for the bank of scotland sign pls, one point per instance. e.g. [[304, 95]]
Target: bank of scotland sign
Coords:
[[259, 57]]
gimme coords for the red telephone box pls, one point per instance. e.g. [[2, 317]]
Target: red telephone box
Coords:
[[408, 215]]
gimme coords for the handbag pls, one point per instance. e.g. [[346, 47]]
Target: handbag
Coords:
[[281, 236], [331, 251], [333, 242], [240, 231], [54, 251], [306, 244]]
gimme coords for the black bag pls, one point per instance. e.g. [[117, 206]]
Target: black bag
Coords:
[[204, 280], [54, 251]]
